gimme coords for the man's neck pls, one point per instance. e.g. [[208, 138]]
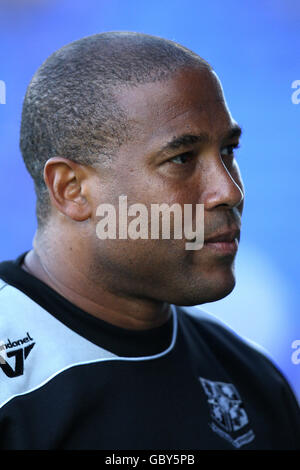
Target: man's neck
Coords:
[[123, 311]]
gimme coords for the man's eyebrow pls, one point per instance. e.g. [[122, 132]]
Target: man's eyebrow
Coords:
[[186, 140]]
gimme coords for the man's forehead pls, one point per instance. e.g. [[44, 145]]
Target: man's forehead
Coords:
[[188, 110], [181, 98]]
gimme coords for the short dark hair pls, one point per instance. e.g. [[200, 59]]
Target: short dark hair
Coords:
[[70, 108]]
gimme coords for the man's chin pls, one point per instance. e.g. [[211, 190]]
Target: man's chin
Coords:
[[218, 296], [206, 292]]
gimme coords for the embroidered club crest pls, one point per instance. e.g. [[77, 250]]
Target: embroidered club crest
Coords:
[[227, 412]]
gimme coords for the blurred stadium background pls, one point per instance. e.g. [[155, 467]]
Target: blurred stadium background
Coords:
[[254, 48]]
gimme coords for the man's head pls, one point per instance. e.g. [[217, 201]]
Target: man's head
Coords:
[[131, 114], [71, 109]]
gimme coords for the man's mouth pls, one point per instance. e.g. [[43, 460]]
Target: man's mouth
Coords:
[[225, 242]]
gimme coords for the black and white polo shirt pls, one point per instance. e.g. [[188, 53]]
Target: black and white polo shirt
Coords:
[[69, 380]]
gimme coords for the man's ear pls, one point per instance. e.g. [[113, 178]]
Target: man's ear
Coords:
[[67, 183]]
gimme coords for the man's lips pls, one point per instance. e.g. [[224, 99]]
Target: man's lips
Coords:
[[223, 236], [225, 242]]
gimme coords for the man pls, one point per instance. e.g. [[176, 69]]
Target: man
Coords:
[[97, 352]]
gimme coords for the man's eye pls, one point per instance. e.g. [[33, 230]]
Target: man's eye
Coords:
[[182, 158], [228, 151]]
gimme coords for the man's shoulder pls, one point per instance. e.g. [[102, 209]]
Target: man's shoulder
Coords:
[[209, 322], [11, 282], [10, 297], [234, 349]]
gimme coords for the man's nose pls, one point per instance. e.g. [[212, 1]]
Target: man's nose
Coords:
[[223, 186]]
